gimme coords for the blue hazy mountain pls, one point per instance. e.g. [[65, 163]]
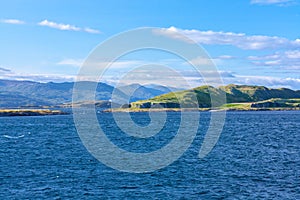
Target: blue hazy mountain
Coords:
[[29, 93]]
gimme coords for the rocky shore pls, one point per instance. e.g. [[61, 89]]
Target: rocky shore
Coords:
[[30, 112]]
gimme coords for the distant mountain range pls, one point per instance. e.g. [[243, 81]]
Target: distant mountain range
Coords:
[[20, 94], [14, 94], [281, 97]]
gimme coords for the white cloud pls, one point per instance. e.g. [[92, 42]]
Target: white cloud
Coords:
[[212, 77], [43, 77], [269, 2], [240, 40], [207, 74], [266, 57], [293, 68], [225, 57], [205, 63], [71, 62], [201, 61], [12, 21], [8, 74], [273, 82], [289, 60], [59, 26], [230, 78], [170, 78], [37, 77], [66, 27], [90, 30], [293, 54], [124, 64], [268, 81]]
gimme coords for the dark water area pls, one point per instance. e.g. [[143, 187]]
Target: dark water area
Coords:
[[257, 157]]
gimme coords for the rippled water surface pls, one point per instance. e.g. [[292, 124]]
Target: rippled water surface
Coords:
[[256, 157]]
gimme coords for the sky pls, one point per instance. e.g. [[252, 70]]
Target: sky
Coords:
[[255, 42]]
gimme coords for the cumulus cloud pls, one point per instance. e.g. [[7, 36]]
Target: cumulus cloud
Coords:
[[59, 26], [12, 21], [269, 2], [207, 74], [8, 74], [43, 77], [272, 82], [66, 27], [211, 78], [37, 77], [239, 40], [232, 78], [170, 78], [289, 60], [293, 54]]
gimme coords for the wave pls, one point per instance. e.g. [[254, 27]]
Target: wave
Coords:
[[13, 137]]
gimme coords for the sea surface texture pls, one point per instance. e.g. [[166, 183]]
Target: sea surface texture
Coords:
[[257, 157]]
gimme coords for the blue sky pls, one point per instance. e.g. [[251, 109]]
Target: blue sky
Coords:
[[251, 41]]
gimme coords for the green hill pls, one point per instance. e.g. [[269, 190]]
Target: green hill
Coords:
[[234, 94], [246, 93]]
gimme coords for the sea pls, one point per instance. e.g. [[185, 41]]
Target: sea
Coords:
[[257, 156]]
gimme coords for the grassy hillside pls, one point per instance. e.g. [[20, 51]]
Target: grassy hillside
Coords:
[[236, 95], [246, 93]]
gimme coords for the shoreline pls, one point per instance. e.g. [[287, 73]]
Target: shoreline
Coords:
[[30, 112], [126, 110], [46, 112]]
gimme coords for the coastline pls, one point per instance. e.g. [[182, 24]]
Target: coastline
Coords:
[[30, 112], [197, 110], [46, 112]]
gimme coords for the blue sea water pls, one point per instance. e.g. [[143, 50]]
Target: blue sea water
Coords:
[[256, 157]]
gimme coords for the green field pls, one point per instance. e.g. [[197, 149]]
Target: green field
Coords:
[[230, 97]]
